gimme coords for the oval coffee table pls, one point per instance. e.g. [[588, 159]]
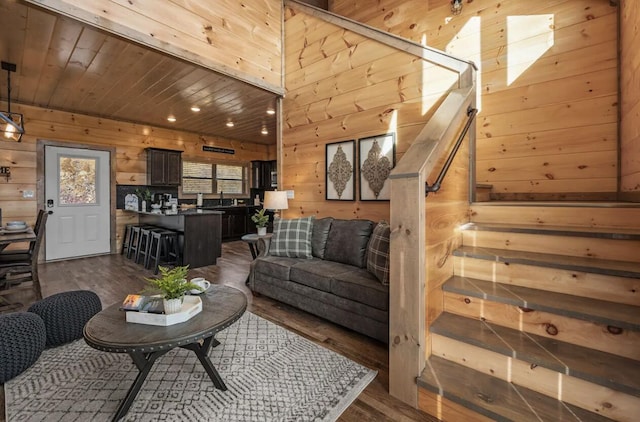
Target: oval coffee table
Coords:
[[110, 332]]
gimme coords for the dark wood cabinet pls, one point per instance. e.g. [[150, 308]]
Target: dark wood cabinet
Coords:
[[163, 167], [264, 174], [234, 222]]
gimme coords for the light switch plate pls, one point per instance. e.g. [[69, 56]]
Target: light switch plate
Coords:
[[290, 194], [27, 194]]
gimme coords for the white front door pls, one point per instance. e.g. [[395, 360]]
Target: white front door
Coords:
[[77, 195]]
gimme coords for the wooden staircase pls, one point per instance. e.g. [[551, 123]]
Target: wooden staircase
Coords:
[[541, 320]]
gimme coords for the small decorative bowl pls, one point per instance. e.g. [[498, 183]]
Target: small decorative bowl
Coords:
[[16, 224], [156, 206]]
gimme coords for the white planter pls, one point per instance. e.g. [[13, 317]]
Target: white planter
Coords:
[[172, 306], [262, 231]]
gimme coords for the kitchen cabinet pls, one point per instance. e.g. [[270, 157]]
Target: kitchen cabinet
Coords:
[[234, 222], [163, 167], [264, 174]]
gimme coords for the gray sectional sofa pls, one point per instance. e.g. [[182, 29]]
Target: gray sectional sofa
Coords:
[[332, 281]]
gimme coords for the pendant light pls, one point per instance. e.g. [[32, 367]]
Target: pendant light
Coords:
[[11, 124]]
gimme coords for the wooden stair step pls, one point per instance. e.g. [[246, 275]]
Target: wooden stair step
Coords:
[[619, 215], [612, 371], [563, 262], [587, 309], [494, 398], [565, 204], [595, 232]]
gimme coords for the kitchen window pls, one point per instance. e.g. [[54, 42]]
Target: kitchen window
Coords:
[[213, 178]]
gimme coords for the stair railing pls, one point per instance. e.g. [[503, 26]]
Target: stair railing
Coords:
[[410, 265], [435, 187], [408, 342]]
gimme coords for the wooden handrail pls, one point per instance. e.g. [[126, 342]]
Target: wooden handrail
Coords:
[[430, 54], [431, 142]]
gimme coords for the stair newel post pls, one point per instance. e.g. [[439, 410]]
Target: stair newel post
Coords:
[[407, 333]]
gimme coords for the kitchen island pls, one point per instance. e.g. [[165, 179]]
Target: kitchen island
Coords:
[[236, 220], [200, 233]]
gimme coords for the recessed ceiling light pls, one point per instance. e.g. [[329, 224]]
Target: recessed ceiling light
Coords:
[[264, 131], [271, 111], [171, 119], [229, 123], [195, 109]]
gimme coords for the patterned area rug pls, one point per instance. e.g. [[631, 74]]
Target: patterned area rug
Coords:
[[271, 374]]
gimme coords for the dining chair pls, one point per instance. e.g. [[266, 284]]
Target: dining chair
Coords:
[[19, 253], [18, 268]]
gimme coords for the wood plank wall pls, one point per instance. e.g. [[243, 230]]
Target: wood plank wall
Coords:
[[240, 39], [548, 86], [342, 86], [630, 91], [129, 140]]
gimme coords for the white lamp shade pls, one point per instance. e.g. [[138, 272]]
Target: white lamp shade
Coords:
[[276, 200]]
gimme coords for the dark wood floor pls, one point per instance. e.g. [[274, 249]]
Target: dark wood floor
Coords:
[[112, 277]]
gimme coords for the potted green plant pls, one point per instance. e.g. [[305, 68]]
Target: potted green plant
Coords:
[[145, 197], [172, 286], [261, 221]]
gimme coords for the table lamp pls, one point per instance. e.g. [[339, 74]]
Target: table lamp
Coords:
[[275, 200]]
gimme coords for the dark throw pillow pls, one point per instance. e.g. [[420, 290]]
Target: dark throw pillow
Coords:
[[292, 238], [321, 228], [378, 252], [347, 242]]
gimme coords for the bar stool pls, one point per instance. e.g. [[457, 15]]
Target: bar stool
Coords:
[[134, 243], [125, 239], [163, 249], [144, 244]]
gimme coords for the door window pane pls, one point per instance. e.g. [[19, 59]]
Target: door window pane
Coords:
[[77, 184]]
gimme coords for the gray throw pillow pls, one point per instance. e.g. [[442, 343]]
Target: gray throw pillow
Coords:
[[378, 252], [321, 228], [347, 242], [292, 238]]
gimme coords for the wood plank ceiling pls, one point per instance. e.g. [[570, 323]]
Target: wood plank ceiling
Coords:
[[65, 65]]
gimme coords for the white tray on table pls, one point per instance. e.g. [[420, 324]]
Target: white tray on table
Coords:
[[191, 306]]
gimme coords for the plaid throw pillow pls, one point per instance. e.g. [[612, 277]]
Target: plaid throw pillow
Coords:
[[292, 238], [378, 252]]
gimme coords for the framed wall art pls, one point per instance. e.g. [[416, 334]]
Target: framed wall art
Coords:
[[377, 156], [341, 171]]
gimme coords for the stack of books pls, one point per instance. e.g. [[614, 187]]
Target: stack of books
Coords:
[[140, 303]]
